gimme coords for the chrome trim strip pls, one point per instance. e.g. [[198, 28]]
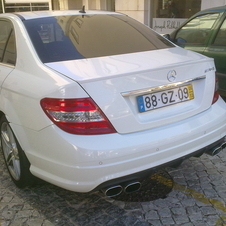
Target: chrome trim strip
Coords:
[[7, 65], [160, 88]]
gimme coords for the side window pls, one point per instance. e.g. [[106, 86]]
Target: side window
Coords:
[[197, 30], [7, 43], [4, 34], [220, 39]]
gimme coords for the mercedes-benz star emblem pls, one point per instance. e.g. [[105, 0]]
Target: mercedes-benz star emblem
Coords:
[[171, 76]]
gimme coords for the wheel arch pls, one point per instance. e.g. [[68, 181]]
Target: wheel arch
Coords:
[[15, 158], [13, 129]]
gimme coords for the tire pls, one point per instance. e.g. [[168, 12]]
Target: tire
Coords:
[[15, 158]]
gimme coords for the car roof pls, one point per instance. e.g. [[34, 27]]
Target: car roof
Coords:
[[215, 9], [48, 13]]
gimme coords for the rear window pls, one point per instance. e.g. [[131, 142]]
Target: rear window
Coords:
[[87, 36]]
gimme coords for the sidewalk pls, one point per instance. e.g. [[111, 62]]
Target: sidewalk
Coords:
[[197, 198]]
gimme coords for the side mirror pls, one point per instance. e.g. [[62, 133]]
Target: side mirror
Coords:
[[181, 40]]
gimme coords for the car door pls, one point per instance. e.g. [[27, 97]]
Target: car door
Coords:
[[217, 50], [7, 49], [195, 34]]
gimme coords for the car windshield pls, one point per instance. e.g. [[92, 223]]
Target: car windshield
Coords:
[[86, 36]]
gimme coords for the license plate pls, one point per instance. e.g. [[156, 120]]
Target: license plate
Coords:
[[164, 98]]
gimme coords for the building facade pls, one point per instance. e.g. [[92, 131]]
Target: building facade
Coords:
[[24, 5], [162, 15]]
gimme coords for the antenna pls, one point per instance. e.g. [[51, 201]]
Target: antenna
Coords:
[[83, 10]]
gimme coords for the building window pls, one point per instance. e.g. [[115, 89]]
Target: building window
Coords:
[[39, 6], [21, 7], [176, 8], [169, 14]]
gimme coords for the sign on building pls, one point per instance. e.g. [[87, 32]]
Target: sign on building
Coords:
[[166, 25]]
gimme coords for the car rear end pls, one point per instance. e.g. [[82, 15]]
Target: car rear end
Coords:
[[130, 106], [155, 121]]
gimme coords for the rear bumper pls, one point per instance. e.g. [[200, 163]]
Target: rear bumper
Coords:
[[85, 163], [211, 149]]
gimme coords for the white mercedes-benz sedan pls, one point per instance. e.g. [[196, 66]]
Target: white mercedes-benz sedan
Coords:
[[96, 100]]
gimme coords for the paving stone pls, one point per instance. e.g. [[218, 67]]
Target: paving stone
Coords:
[[208, 210], [187, 224], [179, 211], [189, 202], [47, 223], [198, 199], [142, 224], [152, 215], [34, 222], [5, 223], [212, 219], [7, 214], [164, 213], [180, 219], [155, 222], [196, 217], [167, 221]]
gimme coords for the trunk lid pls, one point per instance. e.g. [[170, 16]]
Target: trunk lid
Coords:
[[115, 82]]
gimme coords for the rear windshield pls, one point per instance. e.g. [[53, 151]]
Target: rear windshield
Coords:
[[87, 36]]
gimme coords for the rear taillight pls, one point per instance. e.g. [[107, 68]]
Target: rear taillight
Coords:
[[216, 93], [77, 116]]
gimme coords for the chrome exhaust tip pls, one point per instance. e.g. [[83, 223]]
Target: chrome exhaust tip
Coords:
[[132, 187], [113, 191], [214, 151], [223, 146]]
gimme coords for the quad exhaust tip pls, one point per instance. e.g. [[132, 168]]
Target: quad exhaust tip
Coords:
[[132, 187], [216, 150], [118, 189]]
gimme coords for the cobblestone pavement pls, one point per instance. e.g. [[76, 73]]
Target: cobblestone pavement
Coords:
[[197, 198]]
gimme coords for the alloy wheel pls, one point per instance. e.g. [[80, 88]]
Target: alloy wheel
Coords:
[[10, 151]]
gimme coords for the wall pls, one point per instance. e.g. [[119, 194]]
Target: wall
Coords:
[[92, 4], [138, 9], [132, 8], [89, 4], [63, 4], [72, 4], [212, 3]]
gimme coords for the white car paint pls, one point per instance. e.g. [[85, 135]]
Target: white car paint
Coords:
[[143, 140], [115, 75]]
